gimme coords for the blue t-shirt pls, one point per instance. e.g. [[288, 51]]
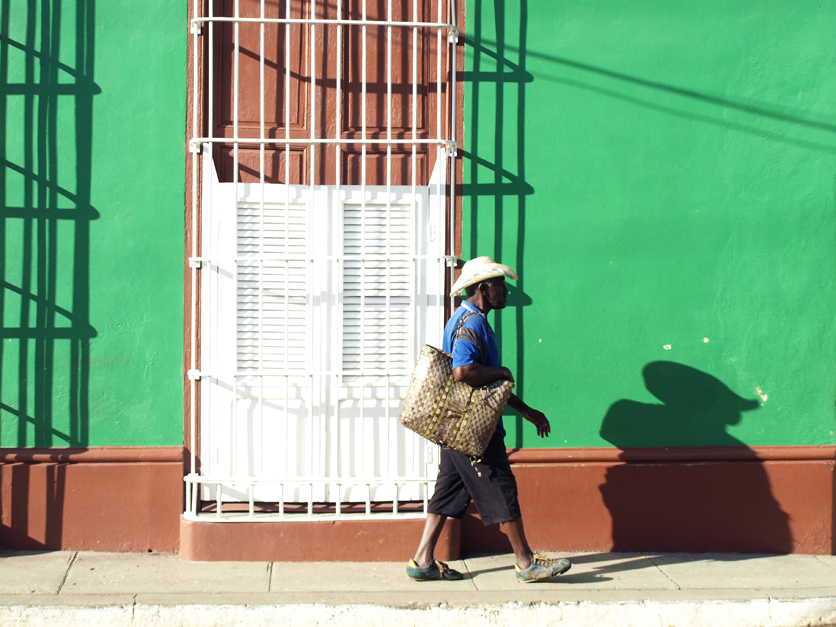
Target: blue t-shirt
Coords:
[[476, 343]]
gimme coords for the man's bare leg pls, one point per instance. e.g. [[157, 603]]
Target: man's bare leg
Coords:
[[432, 532], [516, 534]]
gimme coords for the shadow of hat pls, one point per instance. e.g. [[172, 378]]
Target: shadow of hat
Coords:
[[681, 386]]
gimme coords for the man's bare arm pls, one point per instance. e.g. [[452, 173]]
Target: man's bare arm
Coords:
[[476, 374]]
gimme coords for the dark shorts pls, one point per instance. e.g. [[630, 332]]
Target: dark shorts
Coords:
[[495, 492]]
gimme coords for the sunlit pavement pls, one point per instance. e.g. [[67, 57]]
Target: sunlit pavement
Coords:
[[613, 589]]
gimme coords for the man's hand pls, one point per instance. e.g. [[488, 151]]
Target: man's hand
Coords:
[[506, 374], [539, 420], [534, 416]]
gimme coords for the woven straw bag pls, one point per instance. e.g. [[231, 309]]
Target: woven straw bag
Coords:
[[449, 412]]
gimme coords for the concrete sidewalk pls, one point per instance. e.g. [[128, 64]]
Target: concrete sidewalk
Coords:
[[607, 589]]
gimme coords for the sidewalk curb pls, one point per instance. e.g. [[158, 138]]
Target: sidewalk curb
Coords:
[[820, 612]]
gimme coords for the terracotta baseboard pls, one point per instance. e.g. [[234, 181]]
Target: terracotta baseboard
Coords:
[[317, 541], [759, 499], [100, 499]]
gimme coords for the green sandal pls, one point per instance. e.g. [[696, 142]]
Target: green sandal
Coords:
[[436, 570]]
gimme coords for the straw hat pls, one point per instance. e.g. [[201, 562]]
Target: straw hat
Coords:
[[478, 270]]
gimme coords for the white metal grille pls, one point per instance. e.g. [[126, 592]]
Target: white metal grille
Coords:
[[315, 299], [307, 354]]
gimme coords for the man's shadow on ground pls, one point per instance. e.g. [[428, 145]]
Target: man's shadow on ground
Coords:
[[694, 505]]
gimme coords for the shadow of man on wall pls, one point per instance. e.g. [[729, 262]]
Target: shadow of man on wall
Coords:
[[711, 500]]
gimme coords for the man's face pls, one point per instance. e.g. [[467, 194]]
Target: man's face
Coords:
[[497, 293]]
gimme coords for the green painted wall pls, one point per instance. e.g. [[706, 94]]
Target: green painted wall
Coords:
[[93, 116], [660, 173], [662, 176]]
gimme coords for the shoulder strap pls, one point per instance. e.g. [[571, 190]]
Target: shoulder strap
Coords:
[[459, 328]]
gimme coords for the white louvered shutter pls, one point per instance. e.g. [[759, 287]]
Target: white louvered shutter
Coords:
[[312, 320], [272, 296], [377, 290]]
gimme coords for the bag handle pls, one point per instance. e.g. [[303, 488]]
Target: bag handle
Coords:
[[459, 328], [473, 459]]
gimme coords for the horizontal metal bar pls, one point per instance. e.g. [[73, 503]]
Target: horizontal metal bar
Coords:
[[275, 517], [376, 481], [302, 20], [389, 372], [305, 258], [321, 140]]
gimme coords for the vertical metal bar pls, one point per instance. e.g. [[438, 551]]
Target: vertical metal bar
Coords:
[[362, 460], [310, 265], [363, 103], [415, 248], [438, 76], [233, 419], [310, 429], [438, 162], [368, 499], [193, 271], [412, 300], [237, 80], [211, 99], [338, 97], [338, 458], [440, 165], [453, 152], [261, 155], [287, 441], [390, 428], [251, 488], [438, 126], [340, 251], [339, 500], [310, 500], [363, 106], [388, 239], [218, 501], [313, 95], [281, 501], [236, 90]]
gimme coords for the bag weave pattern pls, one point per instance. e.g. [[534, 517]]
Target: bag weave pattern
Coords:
[[449, 412]]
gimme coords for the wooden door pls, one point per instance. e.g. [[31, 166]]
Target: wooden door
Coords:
[[311, 76]]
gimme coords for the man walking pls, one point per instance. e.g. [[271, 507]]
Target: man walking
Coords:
[[476, 361]]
